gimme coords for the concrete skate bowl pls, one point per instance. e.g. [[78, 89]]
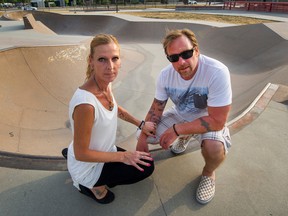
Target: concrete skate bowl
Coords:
[[17, 15], [255, 54], [38, 82]]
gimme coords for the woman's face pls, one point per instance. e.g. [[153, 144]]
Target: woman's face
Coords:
[[106, 62]]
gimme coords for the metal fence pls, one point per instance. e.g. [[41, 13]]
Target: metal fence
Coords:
[[256, 6]]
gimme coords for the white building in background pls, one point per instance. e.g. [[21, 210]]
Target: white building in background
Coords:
[[41, 4], [38, 3]]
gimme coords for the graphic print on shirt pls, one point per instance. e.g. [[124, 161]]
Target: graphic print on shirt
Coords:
[[185, 99]]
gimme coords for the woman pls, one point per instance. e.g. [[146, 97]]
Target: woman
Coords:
[[94, 161]]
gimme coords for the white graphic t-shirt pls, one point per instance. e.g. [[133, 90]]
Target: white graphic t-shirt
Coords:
[[212, 80]]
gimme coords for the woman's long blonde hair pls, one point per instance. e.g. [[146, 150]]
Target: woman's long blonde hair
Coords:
[[100, 39]]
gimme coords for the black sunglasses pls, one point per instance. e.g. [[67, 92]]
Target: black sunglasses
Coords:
[[185, 55]]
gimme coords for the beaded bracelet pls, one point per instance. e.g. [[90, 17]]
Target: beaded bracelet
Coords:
[[175, 130]]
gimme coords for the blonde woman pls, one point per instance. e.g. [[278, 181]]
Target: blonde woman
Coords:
[[94, 161]]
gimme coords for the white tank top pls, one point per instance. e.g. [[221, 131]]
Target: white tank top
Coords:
[[103, 138]]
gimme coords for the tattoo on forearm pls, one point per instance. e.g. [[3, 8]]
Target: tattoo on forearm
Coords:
[[122, 116], [154, 117], [158, 106], [205, 124]]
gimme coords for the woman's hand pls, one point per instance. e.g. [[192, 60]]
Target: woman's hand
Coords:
[[137, 157], [149, 128]]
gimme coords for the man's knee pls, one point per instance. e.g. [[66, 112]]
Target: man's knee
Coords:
[[213, 148]]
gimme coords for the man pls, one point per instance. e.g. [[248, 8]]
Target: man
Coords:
[[200, 89]]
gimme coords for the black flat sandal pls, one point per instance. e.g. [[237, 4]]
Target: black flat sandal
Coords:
[[65, 152], [105, 200]]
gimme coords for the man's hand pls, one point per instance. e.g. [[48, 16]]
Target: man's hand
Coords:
[[167, 138]]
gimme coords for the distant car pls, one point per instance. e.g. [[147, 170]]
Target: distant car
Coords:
[[192, 2], [29, 8]]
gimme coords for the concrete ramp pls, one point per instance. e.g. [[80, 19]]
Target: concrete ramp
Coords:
[[126, 31], [255, 54], [36, 84], [14, 15], [31, 23]]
